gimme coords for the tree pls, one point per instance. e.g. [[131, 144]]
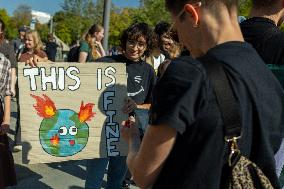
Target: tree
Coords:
[[118, 22], [22, 15], [43, 30], [152, 12], [11, 32]]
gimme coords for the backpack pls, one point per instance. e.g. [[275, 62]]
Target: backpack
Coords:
[[73, 55]]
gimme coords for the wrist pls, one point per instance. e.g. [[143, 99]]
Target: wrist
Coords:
[[6, 123]]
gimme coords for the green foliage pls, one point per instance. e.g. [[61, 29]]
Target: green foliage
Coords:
[[77, 16], [10, 32], [282, 27], [62, 31], [118, 23], [155, 11], [43, 30], [244, 7]]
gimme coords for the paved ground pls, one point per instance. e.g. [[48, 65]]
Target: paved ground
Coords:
[[66, 175]]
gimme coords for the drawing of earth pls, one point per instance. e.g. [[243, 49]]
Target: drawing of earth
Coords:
[[63, 135]]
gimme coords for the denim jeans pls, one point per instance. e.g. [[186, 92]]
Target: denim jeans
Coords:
[[96, 169], [143, 116]]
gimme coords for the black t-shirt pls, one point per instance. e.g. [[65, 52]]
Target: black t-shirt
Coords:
[[266, 38], [140, 78], [51, 49], [184, 99]]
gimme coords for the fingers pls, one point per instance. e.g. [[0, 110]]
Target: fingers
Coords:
[[4, 128], [31, 62], [35, 60], [129, 106]]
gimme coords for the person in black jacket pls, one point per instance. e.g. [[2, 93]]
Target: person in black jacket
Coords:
[[262, 30]]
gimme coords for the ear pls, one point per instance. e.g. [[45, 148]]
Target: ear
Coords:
[[193, 10]]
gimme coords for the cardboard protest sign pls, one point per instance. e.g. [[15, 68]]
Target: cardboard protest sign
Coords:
[[71, 111]]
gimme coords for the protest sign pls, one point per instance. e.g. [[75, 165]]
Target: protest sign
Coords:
[[71, 111]]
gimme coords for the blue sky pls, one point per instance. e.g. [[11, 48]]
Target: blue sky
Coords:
[[52, 6]]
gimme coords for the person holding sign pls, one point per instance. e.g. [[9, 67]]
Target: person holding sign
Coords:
[[7, 170], [33, 52], [135, 42]]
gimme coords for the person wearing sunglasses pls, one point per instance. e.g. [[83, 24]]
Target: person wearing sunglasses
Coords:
[[186, 131]]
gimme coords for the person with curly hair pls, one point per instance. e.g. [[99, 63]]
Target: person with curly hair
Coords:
[[135, 43]]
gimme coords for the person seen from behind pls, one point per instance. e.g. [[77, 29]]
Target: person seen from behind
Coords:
[[186, 131], [91, 47], [262, 30], [51, 47]]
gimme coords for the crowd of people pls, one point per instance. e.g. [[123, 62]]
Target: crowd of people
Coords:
[[177, 123]]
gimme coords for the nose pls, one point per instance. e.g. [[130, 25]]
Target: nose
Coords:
[[135, 47]]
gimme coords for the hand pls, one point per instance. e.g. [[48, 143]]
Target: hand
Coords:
[[129, 106], [130, 129], [32, 61], [98, 43], [4, 128]]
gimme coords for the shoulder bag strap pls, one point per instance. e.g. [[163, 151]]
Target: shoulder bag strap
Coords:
[[225, 97]]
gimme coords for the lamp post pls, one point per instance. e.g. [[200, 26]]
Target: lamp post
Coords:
[[107, 6]]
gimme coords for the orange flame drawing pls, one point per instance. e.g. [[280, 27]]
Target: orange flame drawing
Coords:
[[45, 107], [54, 140], [86, 113]]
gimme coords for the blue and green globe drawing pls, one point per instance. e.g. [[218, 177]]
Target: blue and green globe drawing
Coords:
[[62, 132], [63, 135]]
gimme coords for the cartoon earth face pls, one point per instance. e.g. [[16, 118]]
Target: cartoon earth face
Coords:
[[63, 135], [62, 132]]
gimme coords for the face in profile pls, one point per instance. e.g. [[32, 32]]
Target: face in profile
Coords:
[[99, 35], [29, 41], [135, 48]]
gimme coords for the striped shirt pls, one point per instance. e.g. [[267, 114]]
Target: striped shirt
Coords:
[[5, 76]]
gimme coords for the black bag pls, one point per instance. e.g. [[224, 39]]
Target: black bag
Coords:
[[73, 55], [243, 172]]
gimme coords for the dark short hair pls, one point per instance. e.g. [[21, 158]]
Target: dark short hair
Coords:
[[135, 31], [175, 6], [23, 29], [263, 3], [162, 27]]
